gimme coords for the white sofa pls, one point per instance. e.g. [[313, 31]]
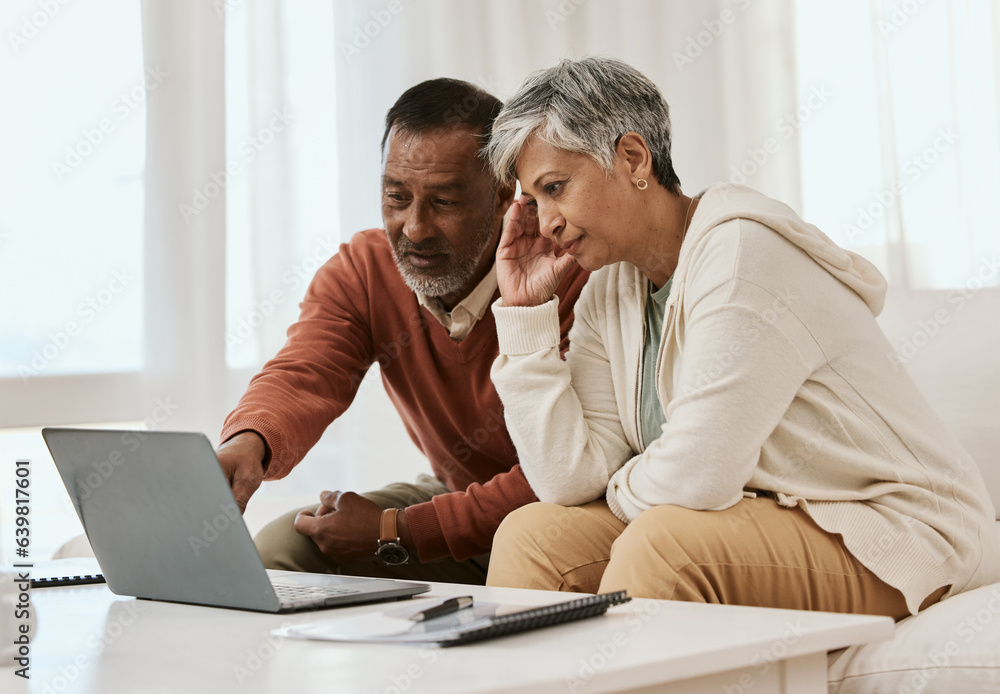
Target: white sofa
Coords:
[[949, 341]]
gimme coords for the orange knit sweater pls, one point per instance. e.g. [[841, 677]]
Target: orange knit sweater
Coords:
[[358, 311]]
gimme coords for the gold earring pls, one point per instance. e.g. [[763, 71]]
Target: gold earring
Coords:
[[641, 184]]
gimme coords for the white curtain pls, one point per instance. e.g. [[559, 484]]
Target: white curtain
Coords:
[[725, 67], [185, 234], [950, 235], [902, 165]]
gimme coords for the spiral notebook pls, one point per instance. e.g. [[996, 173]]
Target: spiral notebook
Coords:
[[482, 621], [76, 571]]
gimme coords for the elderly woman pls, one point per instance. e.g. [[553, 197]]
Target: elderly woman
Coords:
[[727, 396]]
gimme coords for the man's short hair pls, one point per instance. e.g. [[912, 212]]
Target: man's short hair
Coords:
[[442, 103]]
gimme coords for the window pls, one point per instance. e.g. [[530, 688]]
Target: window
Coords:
[[902, 164], [71, 220]]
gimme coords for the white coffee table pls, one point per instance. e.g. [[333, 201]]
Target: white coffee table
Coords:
[[92, 641]]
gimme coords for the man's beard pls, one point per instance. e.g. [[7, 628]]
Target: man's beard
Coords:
[[454, 274]]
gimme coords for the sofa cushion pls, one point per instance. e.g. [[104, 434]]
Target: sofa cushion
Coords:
[[952, 647], [949, 342]]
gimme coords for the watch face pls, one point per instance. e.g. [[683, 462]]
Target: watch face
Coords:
[[392, 553]]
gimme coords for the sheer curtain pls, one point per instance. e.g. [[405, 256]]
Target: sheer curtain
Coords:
[[186, 169], [726, 68], [903, 166]]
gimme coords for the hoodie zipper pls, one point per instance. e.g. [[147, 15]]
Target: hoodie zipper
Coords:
[[638, 379]]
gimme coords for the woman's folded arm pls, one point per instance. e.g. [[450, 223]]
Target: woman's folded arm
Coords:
[[562, 415]]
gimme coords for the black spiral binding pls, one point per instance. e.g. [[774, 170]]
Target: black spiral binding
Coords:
[[538, 617], [57, 581]]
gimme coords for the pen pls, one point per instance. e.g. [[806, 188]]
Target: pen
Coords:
[[447, 607]]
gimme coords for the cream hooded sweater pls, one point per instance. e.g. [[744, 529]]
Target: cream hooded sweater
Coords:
[[774, 376]]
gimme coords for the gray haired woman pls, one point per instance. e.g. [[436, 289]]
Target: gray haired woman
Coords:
[[727, 425]]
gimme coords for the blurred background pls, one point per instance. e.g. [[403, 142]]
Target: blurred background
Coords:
[[172, 173]]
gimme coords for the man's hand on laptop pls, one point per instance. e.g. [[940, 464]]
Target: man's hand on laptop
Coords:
[[346, 526], [242, 458]]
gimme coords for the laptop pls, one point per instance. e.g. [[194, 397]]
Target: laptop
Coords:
[[164, 525]]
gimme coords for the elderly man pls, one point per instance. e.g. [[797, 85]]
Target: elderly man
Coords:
[[414, 298]]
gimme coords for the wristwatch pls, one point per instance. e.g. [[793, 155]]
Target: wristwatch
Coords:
[[390, 550]]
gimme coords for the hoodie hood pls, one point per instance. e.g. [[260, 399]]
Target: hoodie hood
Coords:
[[725, 201]]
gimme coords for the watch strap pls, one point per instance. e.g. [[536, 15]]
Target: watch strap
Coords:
[[387, 530]]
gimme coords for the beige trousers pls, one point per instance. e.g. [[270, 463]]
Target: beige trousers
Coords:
[[281, 547], [755, 553]]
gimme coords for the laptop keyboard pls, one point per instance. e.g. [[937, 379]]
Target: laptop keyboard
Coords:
[[295, 595]]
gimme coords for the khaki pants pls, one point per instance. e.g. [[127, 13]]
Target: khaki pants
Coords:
[[281, 547], [755, 553]]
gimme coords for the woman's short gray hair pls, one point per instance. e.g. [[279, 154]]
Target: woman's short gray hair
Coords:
[[584, 106]]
